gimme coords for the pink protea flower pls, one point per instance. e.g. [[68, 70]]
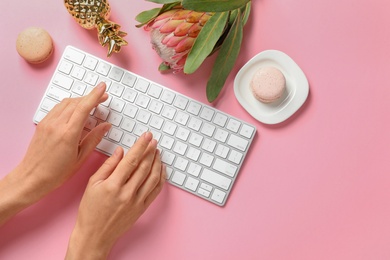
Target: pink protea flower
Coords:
[[173, 34]]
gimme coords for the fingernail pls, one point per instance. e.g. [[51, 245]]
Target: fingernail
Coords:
[[101, 85], [148, 136], [107, 128]]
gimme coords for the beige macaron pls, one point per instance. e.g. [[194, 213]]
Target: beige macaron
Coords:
[[34, 44], [268, 84]]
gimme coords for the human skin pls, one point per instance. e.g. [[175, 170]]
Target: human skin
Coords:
[[56, 153]]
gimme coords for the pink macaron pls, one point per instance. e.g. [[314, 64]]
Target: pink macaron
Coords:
[[268, 84]]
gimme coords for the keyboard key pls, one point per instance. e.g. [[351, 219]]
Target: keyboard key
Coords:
[[247, 131], [191, 183], [169, 128], [180, 148], [207, 113], [195, 123], [78, 73], [155, 106], [139, 129], [225, 167], [103, 68], [129, 140], [130, 95], [168, 112], [222, 150], [178, 177], [75, 56], [182, 133], [142, 85], [215, 179], [91, 78], [168, 96], [167, 142], [220, 119], [101, 112], [65, 67], [90, 63], [117, 89], [129, 79], [194, 169], [116, 74], [182, 118], [204, 192], [167, 157], [130, 110], [237, 142], [115, 119], [142, 100], [48, 104], [181, 102], [107, 146], [128, 125], [181, 164], [117, 104], [193, 153], [218, 195], [206, 159], [235, 157], [194, 108], [79, 88], [154, 91], [62, 81], [57, 94], [115, 134], [233, 125]]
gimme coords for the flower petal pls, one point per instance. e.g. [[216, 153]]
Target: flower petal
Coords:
[[170, 26], [182, 28], [185, 44]]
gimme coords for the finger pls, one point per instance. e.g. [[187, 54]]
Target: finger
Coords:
[[68, 110], [108, 166], [91, 140], [133, 158], [156, 191], [143, 170], [153, 179], [86, 104], [57, 110]]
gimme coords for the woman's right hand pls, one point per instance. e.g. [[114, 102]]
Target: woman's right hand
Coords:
[[115, 197]]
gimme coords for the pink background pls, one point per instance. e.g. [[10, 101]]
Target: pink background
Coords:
[[313, 187]]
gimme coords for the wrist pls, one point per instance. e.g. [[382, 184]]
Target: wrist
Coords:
[[86, 246]]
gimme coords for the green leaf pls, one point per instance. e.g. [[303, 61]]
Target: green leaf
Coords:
[[162, 1], [247, 12], [205, 41], [225, 60], [144, 17], [213, 5], [163, 67]]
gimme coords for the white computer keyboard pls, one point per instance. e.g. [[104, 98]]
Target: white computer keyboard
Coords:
[[202, 147]]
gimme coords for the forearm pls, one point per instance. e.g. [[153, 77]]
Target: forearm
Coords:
[[17, 192]]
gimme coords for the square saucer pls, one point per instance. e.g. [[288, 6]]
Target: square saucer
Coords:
[[295, 94]]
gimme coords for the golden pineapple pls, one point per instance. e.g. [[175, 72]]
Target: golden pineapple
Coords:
[[94, 14]]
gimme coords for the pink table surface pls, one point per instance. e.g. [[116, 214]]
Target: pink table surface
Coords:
[[313, 187]]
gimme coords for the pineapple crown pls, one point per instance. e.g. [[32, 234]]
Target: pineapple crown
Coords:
[[223, 31]]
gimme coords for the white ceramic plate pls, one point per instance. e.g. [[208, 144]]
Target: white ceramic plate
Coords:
[[297, 87]]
